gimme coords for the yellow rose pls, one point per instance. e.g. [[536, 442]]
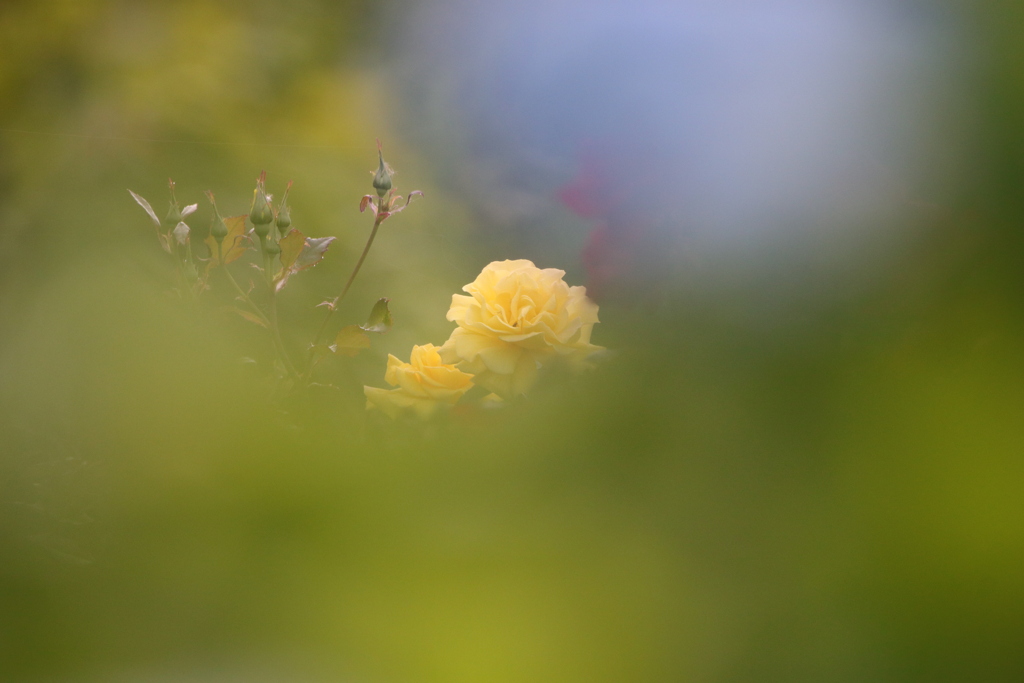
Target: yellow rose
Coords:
[[424, 383], [517, 317]]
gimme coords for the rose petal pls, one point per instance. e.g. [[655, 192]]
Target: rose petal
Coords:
[[496, 355]]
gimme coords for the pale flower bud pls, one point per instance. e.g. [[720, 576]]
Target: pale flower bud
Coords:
[[173, 213], [284, 217], [261, 214], [218, 230], [382, 179]]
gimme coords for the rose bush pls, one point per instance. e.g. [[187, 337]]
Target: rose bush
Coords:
[[424, 384], [516, 318]]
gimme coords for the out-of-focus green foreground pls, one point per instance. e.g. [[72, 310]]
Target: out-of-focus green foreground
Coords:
[[835, 497]]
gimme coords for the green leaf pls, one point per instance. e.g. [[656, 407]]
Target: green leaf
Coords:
[[380, 317], [350, 341], [248, 315], [234, 244], [291, 246]]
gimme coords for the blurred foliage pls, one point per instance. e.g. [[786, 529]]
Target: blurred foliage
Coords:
[[824, 490]]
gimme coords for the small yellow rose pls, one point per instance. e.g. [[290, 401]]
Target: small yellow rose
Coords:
[[424, 383], [517, 317]]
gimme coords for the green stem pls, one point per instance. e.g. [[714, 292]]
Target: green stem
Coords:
[[271, 321], [245, 297], [351, 278], [275, 328]]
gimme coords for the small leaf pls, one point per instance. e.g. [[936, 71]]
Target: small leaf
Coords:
[[299, 252], [145, 205], [189, 210], [312, 253], [350, 341], [181, 232], [380, 317], [291, 246], [234, 244], [414, 193], [366, 201], [248, 315]]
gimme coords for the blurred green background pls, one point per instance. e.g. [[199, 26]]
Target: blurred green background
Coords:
[[786, 473]]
